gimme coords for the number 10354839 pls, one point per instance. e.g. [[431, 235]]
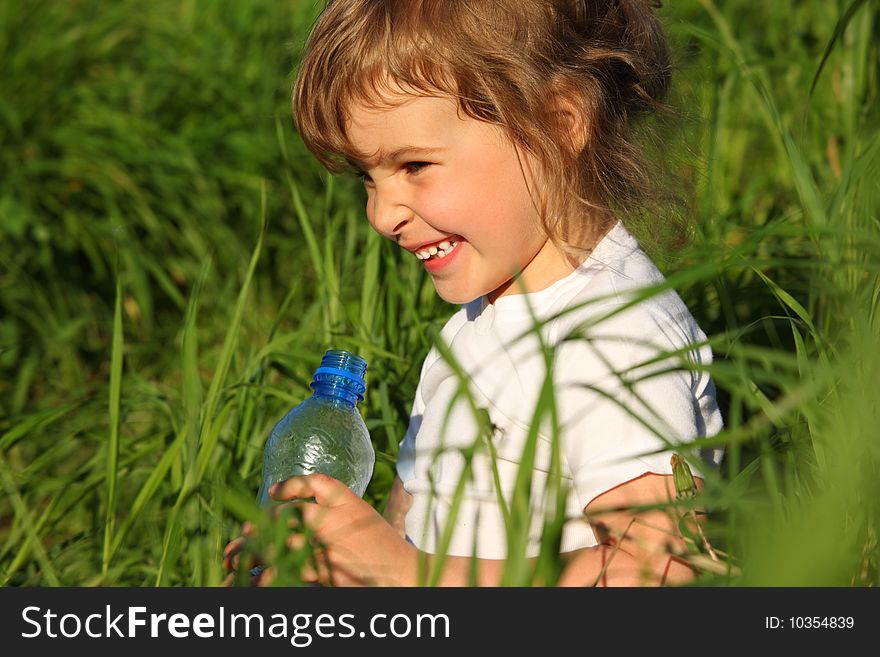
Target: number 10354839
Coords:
[[810, 622]]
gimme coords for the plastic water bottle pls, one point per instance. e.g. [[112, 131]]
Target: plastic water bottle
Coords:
[[325, 433]]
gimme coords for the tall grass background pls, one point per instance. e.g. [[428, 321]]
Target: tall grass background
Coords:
[[173, 263]]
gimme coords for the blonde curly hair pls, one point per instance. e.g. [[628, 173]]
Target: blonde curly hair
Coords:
[[511, 63]]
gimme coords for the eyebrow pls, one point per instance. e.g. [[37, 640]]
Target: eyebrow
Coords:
[[394, 156]]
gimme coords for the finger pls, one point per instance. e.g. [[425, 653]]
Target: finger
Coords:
[[327, 572], [230, 553], [265, 578], [243, 547], [313, 515], [296, 542], [233, 546], [291, 510], [309, 575], [314, 568], [326, 490], [230, 563]]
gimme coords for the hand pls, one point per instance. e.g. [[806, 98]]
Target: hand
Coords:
[[232, 556], [248, 544], [353, 544]]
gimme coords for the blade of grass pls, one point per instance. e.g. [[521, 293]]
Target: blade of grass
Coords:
[[147, 491], [839, 29], [33, 424], [210, 429], [25, 546], [192, 385], [21, 511], [113, 443], [802, 177]]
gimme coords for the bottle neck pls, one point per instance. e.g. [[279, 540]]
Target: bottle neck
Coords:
[[336, 393], [340, 377]]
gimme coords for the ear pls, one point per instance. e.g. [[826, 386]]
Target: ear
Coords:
[[568, 108]]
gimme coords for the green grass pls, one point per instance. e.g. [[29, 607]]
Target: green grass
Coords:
[[173, 264]]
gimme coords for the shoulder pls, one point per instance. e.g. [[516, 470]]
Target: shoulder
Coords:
[[633, 303], [623, 315]]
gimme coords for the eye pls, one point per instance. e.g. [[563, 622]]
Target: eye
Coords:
[[414, 167]]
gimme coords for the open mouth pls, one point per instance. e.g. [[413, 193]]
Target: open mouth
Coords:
[[437, 251]]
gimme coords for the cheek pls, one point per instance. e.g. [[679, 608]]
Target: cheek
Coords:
[[499, 185]]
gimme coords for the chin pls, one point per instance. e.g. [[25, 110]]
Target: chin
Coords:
[[456, 297]]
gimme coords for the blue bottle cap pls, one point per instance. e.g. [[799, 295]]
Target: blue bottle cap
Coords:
[[344, 364]]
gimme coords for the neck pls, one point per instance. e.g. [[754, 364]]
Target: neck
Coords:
[[550, 264]]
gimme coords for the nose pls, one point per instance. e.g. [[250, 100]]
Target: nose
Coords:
[[387, 211]]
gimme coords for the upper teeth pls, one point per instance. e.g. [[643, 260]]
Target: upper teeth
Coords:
[[440, 250]]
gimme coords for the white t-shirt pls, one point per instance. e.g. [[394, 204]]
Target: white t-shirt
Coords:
[[601, 443]]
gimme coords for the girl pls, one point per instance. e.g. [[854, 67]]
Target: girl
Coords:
[[493, 139]]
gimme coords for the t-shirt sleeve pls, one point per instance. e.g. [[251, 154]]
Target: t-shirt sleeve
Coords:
[[623, 400]]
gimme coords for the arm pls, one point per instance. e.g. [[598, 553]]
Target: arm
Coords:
[[642, 539], [399, 502], [642, 556], [456, 570], [364, 547], [378, 554]]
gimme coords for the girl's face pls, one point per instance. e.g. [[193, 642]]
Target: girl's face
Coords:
[[433, 176]]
